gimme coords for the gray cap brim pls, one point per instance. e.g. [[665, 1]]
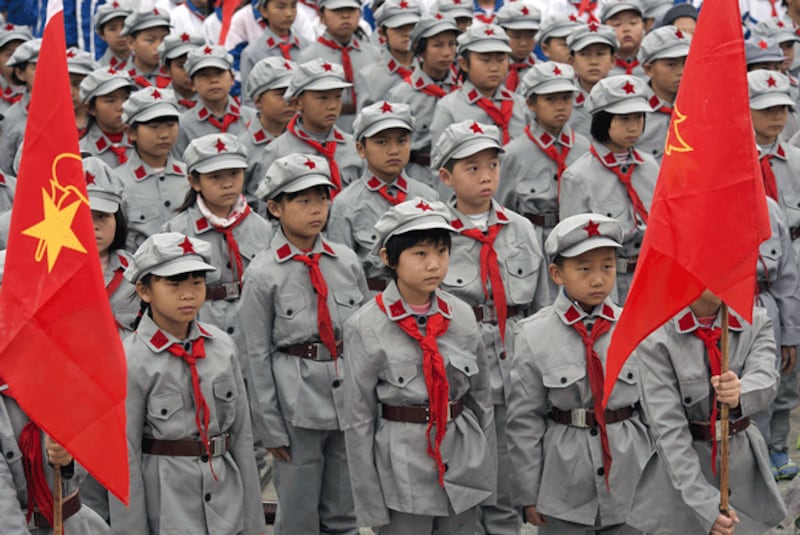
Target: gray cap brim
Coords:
[[616, 10], [308, 181], [633, 105], [678, 51], [593, 39], [146, 25], [164, 109], [102, 203], [419, 223], [474, 146], [521, 24], [179, 50], [768, 100], [552, 86], [279, 83], [380, 126], [595, 242], [13, 36], [488, 46], [339, 4], [210, 61], [184, 264], [320, 84], [460, 12], [109, 87], [401, 20], [223, 161]]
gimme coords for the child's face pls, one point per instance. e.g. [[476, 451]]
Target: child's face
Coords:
[[110, 33], [629, 27], [5, 53], [341, 23], [552, 110], [212, 84], [273, 107], [303, 217], [463, 23], [155, 139], [180, 77], [145, 46], [625, 131], [665, 74], [556, 49], [592, 63], [587, 278], [486, 70], [280, 15], [386, 152], [398, 39], [220, 189], [105, 227], [320, 109], [107, 110], [685, 24], [474, 180], [521, 43], [26, 74], [787, 47], [439, 54], [769, 123], [75, 89], [420, 270], [173, 304], [707, 304]]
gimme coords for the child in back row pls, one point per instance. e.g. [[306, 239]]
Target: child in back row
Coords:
[[173, 51], [11, 36], [109, 20], [521, 21], [627, 19], [23, 62], [145, 29], [552, 38]]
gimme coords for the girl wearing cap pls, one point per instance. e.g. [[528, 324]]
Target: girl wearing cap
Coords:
[[190, 442], [614, 179], [104, 93], [420, 425], [297, 295]]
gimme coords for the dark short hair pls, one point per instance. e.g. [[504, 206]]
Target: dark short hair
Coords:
[[601, 123], [400, 242], [292, 196], [121, 233]]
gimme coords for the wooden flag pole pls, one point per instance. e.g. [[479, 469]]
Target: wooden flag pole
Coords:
[[723, 420], [58, 521]]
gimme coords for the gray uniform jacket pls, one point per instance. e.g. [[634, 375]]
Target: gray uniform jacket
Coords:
[[124, 301], [581, 120], [355, 211], [678, 493], [171, 494], [255, 140], [150, 198], [656, 127], [460, 106], [252, 235], [8, 93], [559, 468], [524, 272], [266, 46], [389, 464], [195, 123], [8, 187], [278, 308], [374, 81], [13, 485], [785, 165], [13, 130], [96, 143]]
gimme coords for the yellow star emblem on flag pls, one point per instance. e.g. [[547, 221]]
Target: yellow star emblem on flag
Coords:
[[675, 142]]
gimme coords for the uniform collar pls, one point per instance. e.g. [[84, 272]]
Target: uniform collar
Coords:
[[272, 40], [530, 61], [420, 79], [374, 183], [118, 260], [232, 107], [353, 43], [100, 141], [142, 171], [473, 95], [392, 65], [686, 321], [158, 340], [656, 102], [334, 135], [285, 251], [397, 309], [257, 133], [546, 139], [580, 98], [571, 313], [610, 160], [777, 151], [460, 222]]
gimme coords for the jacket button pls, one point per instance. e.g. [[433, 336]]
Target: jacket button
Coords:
[[466, 369], [503, 355], [401, 380], [229, 330], [630, 375], [446, 467], [459, 281], [624, 168], [533, 190], [186, 346], [601, 471], [141, 217], [593, 431], [687, 399], [289, 312], [207, 497], [9, 454], [204, 458], [337, 383], [228, 265], [167, 203], [555, 177], [164, 412], [609, 214], [162, 178], [422, 320], [563, 380], [519, 271], [229, 394], [774, 252], [352, 302]]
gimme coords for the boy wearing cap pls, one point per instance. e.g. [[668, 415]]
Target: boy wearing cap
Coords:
[[461, 11], [419, 424], [316, 92], [383, 139], [190, 440], [433, 41], [627, 19], [684, 17], [614, 178], [104, 91], [497, 268], [552, 38], [145, 30], [663, 56], [211, 70], [297, 295], [591, 54], [678, 492], [575, 464], [532, 165], [154, 181], [483, 58], [79, 65], [521, 21], [23, 62], [109, 20], [395, 20], [173, 52], [11, 37]]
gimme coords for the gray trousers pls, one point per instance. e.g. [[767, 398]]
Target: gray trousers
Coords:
[[555, 526], [788, 398], [314, 496], [409, 524]]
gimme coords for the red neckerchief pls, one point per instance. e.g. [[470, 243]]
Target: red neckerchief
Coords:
[[284, 46], [382, 188], [588, 7], [120, 152], [432, 90], [395, 68], [774, 12], [228, 119], [625, 178], [162, 80], [484, 18], [627, 66], [324, 322], [328, 150], [115, 281], [233, 247], [187, 103], [710, 338], [39, 496], [116, 63], [8, 95], [512, 81], [347, 63], [552, 152], [594, 368], [770, 185], [501, 116], [435, 377]]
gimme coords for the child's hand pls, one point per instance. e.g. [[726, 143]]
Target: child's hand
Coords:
[[281, 453], [725, 525], [728, 388], [532, 516], [788, 358], [56, 454]]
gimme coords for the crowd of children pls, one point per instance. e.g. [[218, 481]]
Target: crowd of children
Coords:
[[384, 247]]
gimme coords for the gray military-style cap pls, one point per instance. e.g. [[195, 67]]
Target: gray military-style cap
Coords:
[[463, 139], [768, 89], [483, 38], [546, 78], [13, 32], [396, 13], [270, 73], [408, 216], [293, 173], [614, 7], [104, 188], [103, 81], [208, 56], [431, 25], [27, 52], [762, 50], [592, 34], [110, 11], [558, 26], [214, 152], [338, 4], [80, 62], [175, 46], [518, 15], [382, 116], [455, 8], [580, 233], [777, 30], [655, 9], [666, 42], [168, 254], [619, 95], [148, 104], [316, 75], [145, 19]]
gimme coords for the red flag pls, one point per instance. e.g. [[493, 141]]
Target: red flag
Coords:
[[709, 211], [59, 349]]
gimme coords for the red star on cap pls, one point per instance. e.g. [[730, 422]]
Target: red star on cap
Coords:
[[628, 88], [422, 205], [403, 4], [593, 27], [155, 11], [207, 50], [771, 82], [525, 10], [386, 108], [155, 94], [310, 164], [457, 2], [220, 145], [185, 37], [9, 26], [89, 178], [556, 70], [779, 24], [327, 67], [115, 4], [70, 53], [112, 70], [287, 66], [476, 128], [679, 34], [438, 16], [573, 18], [488, 31], [187, 246], [763, 44], [592, 229]]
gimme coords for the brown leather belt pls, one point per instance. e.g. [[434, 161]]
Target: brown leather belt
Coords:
[[547, 220], [69, 506], [419, 414], [702, 430], [488, 313], [627, 265], [312, 351], [794, 232], [584, 418], [420, 158], [227, 291], [186, 447], [762, 286], [270, 509], [376, 285]]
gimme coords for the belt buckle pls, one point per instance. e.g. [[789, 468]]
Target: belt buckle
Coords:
[[489, 314], [449, 411], [322, 353], [578, 418], [550, 219], [231, 290], [217, 445]]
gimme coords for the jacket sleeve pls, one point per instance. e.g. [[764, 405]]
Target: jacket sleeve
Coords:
[[480, 401], [573, 197], [12, 519], [786, 286], [759, 377]]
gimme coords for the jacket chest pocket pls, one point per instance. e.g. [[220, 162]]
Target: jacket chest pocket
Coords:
[[347, 302], [626, 389], [364, 234], [461, 275], [769, 258], [563, 384], [289, 307], [401, 375], [142, 212], [225, 396], [521, 278], [694, 395], [465, 366], [164, 414], [9, 449]]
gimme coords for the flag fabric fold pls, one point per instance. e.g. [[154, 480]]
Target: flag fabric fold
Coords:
[[60, 353], [709, 213]]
